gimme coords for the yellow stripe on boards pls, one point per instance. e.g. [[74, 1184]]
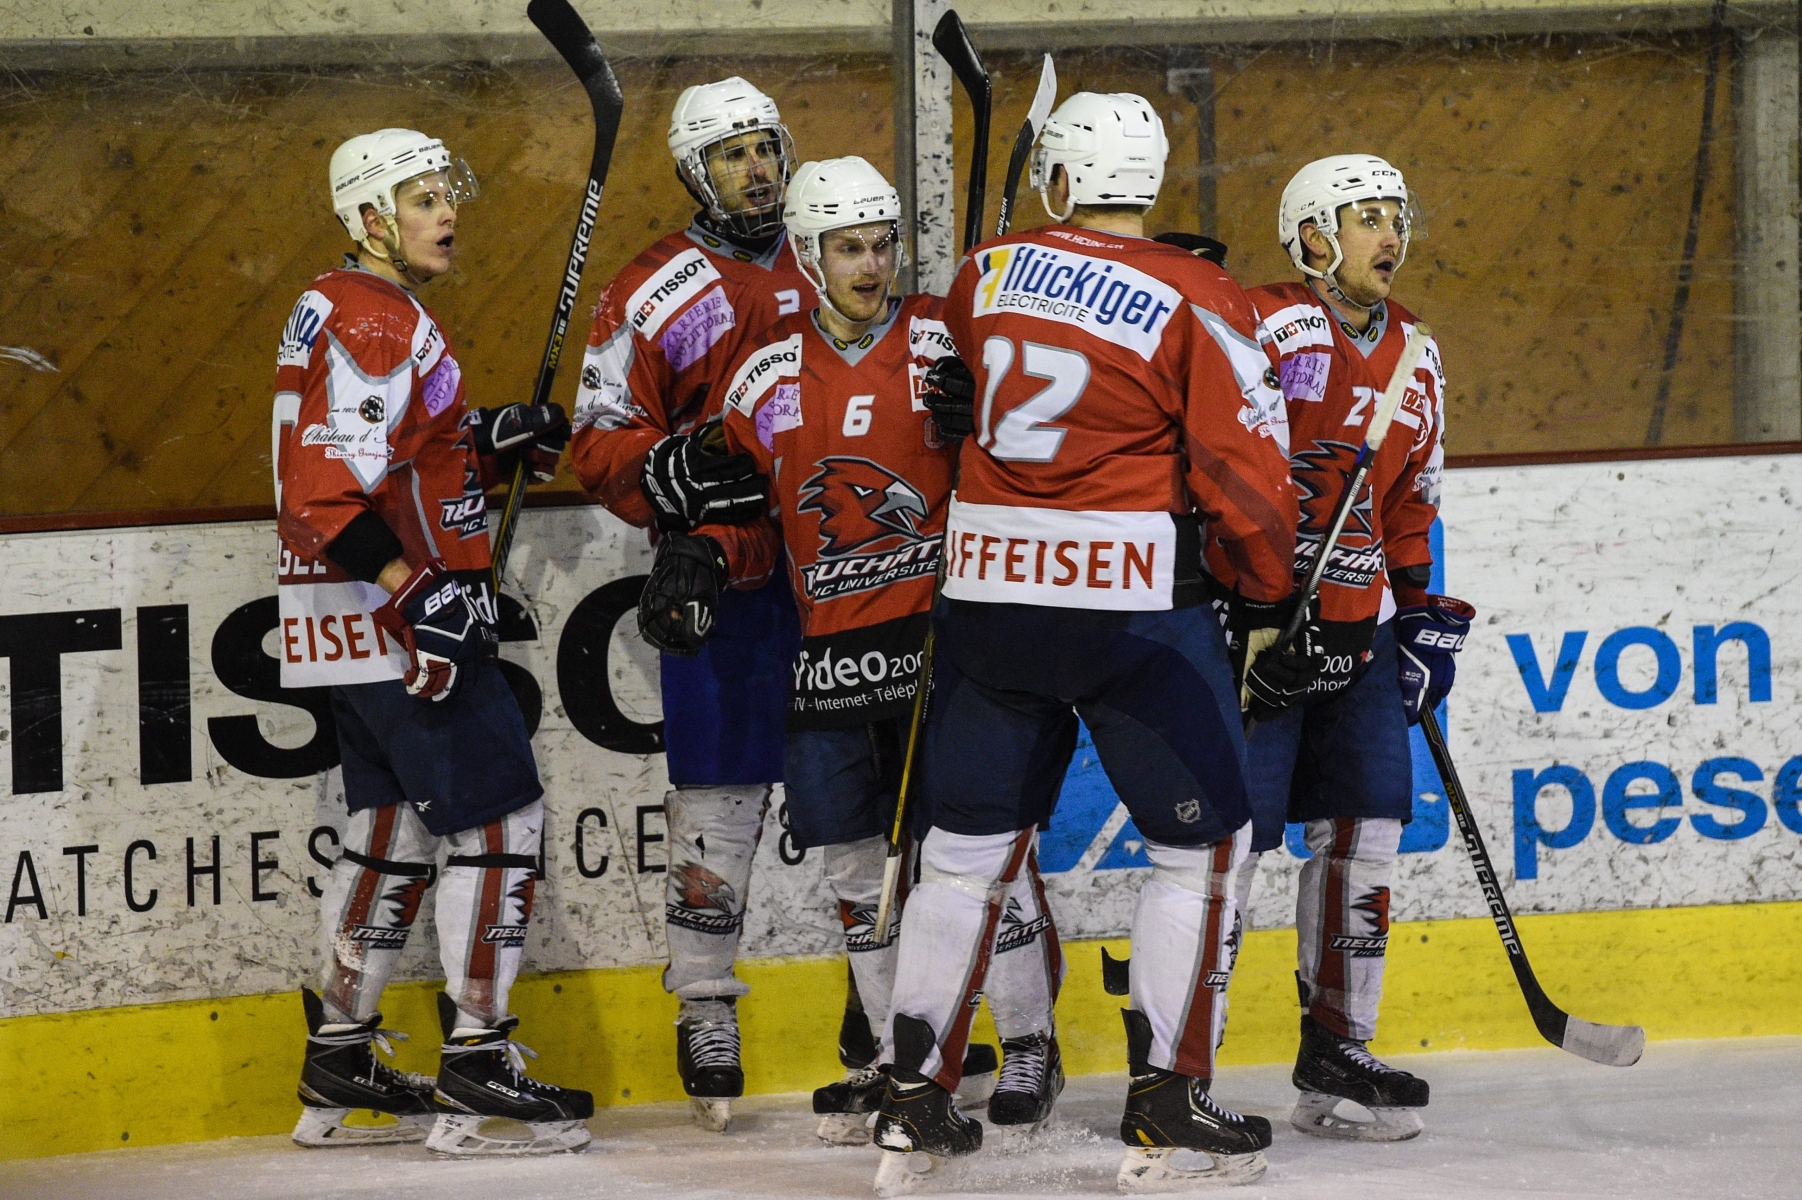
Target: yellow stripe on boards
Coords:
[[195, 1070]]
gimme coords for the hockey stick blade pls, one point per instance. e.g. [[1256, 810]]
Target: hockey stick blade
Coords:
[[952, 41], [570, 37], [1610, 1045], [1042, 100]]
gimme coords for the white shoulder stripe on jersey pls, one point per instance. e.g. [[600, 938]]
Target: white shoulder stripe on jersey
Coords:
[[1299, 326], [670, 287], [749, 384], [1264, 413]]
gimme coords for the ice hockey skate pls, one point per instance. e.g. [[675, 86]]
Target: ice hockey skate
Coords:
[[1330, 1069], [847, 1109], [707, 1059], [341, 1076], [1032, 1075], [919, 1128], [484, 1097], [1167, 1114]]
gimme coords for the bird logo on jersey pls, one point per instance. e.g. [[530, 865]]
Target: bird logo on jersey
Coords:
[[859, 503], [869, 528], [1320, 472]]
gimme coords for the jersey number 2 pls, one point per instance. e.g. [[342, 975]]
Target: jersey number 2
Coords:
[[1025, 432]]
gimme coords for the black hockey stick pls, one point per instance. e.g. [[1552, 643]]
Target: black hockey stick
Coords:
[[1610, 1045], [1374, 435], [566, 32], [1042, 100], [952, 41]]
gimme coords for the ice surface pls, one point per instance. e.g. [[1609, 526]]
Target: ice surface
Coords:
[[1693, 1119]]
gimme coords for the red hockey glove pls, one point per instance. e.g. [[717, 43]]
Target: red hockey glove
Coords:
[[537, 431], [431, 615]]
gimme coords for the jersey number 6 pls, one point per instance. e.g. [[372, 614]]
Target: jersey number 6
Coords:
[[1024, 433]]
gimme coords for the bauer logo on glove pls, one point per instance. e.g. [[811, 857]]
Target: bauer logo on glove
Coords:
[[1427, 639], [431, 614]]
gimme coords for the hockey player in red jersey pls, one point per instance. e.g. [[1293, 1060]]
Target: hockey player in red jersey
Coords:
[[664, 329], [383, 584], [1340, 764], [1122, 402], [828, 404]]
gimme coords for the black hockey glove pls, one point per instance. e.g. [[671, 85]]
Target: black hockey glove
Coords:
[[1196, 244], [432, 616], [1272, 678], [1427, 640], [682, 595], [538, 431], [691, 481], [950, 394]]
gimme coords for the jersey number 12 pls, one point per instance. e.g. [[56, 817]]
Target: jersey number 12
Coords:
[[1025, 432]]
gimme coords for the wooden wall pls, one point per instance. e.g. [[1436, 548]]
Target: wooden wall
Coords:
[[155, 229]]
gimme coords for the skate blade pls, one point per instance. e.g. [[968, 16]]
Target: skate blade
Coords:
[[905, 1172], [711, 1114], [466, 1135], [846, 1129], [325, 1127], [1153, 1169], [1317, 1114], [973, 1091]]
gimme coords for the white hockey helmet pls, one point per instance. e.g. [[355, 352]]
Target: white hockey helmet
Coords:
[[706, 116], [1320, 189], [369, 167], [1112, 147], [836, 194]]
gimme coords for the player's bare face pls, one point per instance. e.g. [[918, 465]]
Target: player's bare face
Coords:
[[859, 266], [425, 226], [1370, 236], [746, 170]]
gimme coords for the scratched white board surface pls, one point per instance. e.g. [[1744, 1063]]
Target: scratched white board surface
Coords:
[[1625, 568]]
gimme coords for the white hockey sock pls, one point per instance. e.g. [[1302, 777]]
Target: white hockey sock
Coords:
[[1028, 968], [1180, 958], [1244, 877], [1342, 920], [946, 938], [713, 835], [368, 904], [484, 904], [854, 873]]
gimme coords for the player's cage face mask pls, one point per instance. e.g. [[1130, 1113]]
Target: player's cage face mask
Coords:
[[741, 179], [875, 248]]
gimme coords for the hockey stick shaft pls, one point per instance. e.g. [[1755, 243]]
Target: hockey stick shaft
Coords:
[[1374, 436], [952, 41], [565, 31], [1611, 1045], [1023, 141]]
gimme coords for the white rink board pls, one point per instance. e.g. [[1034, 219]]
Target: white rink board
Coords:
[[1542, 551]]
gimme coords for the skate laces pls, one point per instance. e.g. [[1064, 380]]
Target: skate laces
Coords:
[[713, 1044], [1023, 1067], [1355, 1051]]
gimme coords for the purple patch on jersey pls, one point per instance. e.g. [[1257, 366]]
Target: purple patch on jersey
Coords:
[[695, 332], [441, 385], [782, 411], [1304, 376]]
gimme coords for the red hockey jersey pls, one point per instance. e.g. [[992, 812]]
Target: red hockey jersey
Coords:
[[368, 416], [1123, 392], [1332, 376], [663, 332], [859, 483]]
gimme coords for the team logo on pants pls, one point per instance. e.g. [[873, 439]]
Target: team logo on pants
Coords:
[[708, 904], [1016, 930], [1375, 903]]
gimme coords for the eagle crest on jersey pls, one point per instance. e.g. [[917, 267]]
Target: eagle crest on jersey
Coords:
[[859, 503]]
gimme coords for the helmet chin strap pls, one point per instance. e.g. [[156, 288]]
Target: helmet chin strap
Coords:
[[390, 254], [1330, 277]]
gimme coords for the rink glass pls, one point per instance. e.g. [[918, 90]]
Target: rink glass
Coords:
[[164, 204]]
